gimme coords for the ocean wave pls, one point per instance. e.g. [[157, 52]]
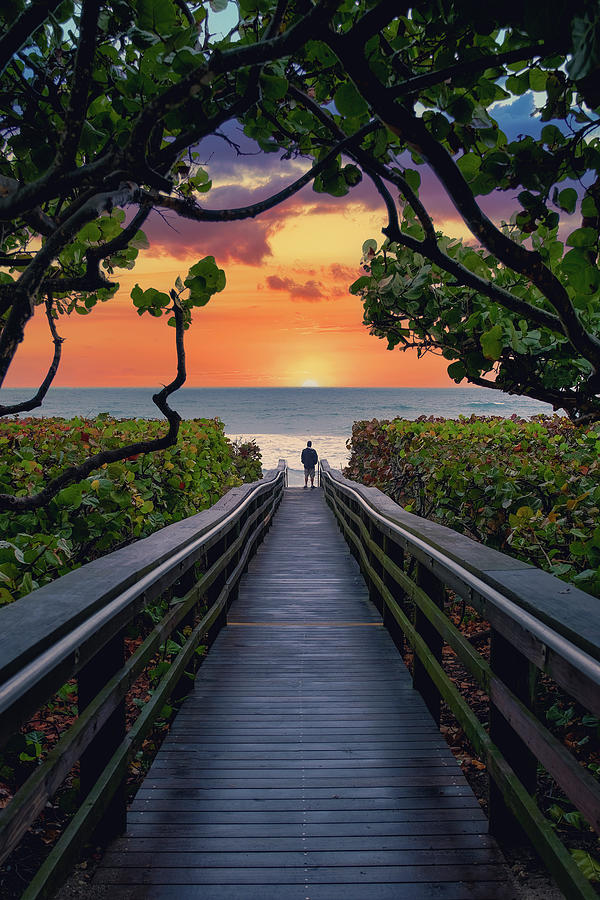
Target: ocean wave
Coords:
[[484, 403]]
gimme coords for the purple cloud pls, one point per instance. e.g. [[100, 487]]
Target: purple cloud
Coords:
[[309, 292]]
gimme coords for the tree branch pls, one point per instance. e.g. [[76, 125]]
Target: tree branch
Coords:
[[275, 23], [567, 399], [167, 155], [189, 210], [23, 27], [411, 129], [89, 282], [432, 251], [470, 67], [226, 61], [82, 73], [29, 196], [34, 217], [78, 473], [37, 399], [184, 9], [377, 18], [30, 281]]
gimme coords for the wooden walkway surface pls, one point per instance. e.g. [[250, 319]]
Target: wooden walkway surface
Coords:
[[304, 766]]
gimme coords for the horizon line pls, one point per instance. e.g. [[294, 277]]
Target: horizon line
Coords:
[[242, 387]]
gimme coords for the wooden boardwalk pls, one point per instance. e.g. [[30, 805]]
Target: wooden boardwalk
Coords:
[[304, 766]]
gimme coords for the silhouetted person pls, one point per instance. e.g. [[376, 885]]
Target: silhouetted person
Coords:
[[309, 461]]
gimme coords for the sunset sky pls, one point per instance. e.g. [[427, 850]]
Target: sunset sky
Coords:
[[285, 317]]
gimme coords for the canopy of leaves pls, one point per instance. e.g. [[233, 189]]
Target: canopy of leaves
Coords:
[[102, 108]]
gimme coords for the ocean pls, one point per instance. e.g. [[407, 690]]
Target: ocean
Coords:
[[281, 420]]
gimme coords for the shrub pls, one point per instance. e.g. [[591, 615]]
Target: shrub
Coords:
[[119, 503], [528, 488]]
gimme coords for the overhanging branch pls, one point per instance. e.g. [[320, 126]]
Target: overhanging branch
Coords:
[[29, 283], [38, 397], [23, 27], [411, 129], [78, 473], [189, 210], [84, 61], [470, 67]]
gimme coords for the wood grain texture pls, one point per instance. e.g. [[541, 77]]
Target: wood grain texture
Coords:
[[304, 765]]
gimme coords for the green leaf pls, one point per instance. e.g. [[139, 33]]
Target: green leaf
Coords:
[[360, 284], [159, 16], [567, 200], [413, 178], [352, 174], [137, 295], [70, 496], [583, 237], [139, 241], [583, 275], [586, 44], [457, 371], [492, 343], [589, 866], [368, 246], [203, 280], [469, 165], [348, 101], [438, 125], [273, 87], [537, 79], [461, 109]]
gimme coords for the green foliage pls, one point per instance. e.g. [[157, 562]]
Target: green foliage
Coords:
[[202, 281], [375, 90], [121, 502], [588, 864], [247, 460], [527, 488]]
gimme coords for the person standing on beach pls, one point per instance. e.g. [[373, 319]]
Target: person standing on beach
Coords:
[[309, 461]]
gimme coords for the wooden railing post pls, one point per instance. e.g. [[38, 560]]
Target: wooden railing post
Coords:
[[180, 589], [518, 674], [233, 536], [374, 595], [394, 552], [422, 682], [353, 507], [91, 679]]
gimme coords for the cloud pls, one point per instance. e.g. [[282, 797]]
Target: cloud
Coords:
[[345, 274], [244, 241], [309, 292]]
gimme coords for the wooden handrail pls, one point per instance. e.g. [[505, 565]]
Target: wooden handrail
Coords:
[[533, 629], [75, 627]]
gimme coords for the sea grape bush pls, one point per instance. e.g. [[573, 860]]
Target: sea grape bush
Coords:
[[246, 460], [121, 502], [527, 488]]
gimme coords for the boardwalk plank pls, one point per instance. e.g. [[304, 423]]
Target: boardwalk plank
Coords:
[[304, 765]]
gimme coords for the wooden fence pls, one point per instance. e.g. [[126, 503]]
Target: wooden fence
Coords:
[[75, 627], [537, 624]]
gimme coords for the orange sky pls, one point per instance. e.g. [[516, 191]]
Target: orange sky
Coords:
[[284, 318]]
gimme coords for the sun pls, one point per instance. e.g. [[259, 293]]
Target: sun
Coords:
[[310, 382]]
